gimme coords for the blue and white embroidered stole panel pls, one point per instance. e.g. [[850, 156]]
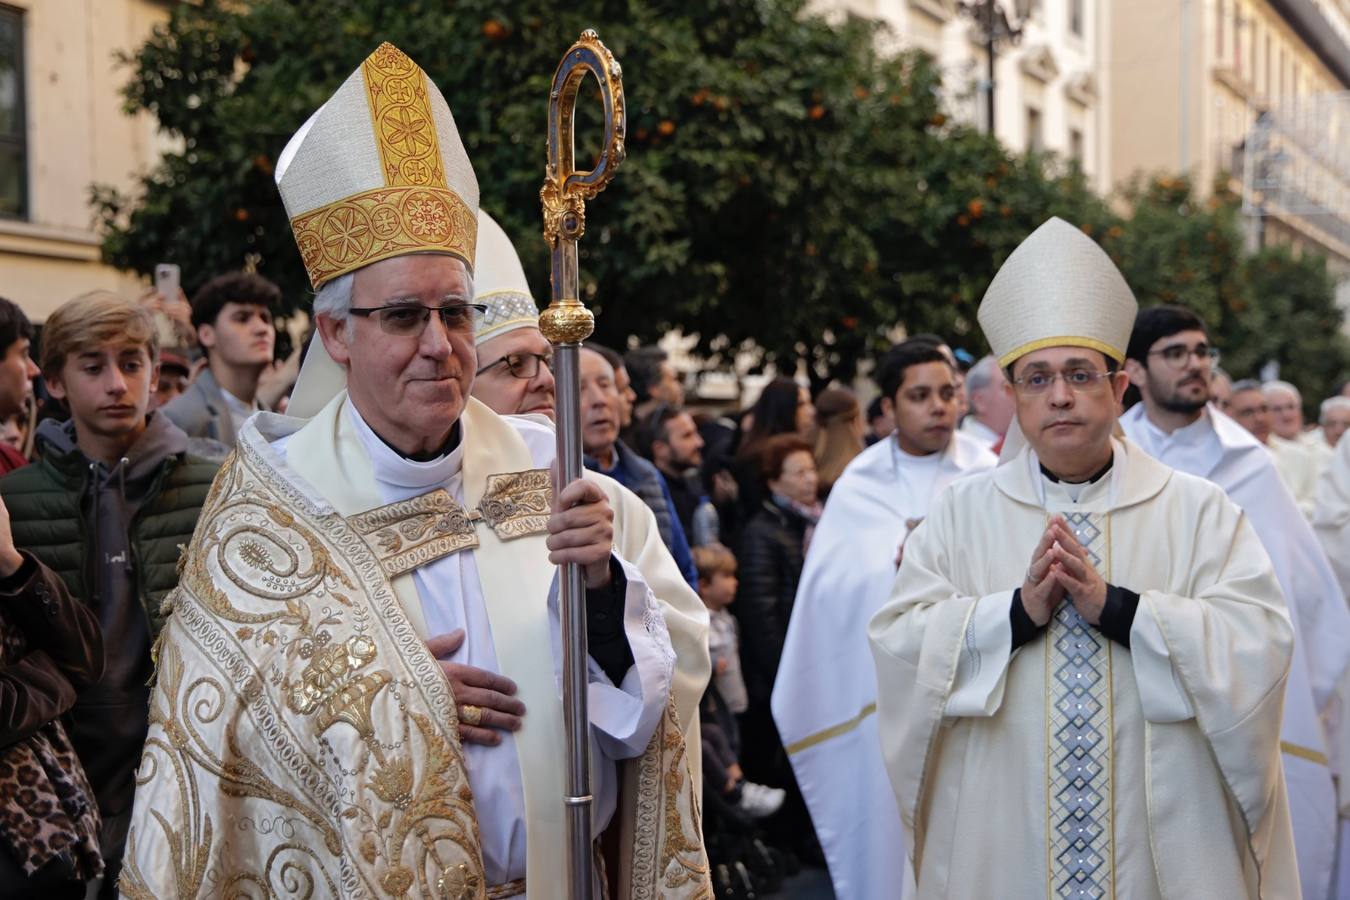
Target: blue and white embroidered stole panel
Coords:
[[1079, 736]]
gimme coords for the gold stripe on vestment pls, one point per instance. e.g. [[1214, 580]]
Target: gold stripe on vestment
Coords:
[[1305, 753], [833, 731]]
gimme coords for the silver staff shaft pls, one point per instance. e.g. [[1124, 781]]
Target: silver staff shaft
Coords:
[[576, 716], [566, 323]]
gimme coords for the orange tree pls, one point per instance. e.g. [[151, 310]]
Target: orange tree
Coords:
[[786, 183]]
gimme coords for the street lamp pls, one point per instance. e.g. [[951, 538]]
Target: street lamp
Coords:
[[996, 30]]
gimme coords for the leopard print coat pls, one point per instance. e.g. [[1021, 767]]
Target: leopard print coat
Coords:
[[47, 810]]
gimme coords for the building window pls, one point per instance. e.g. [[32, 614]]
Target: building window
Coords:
[[13, 138], [1035, 140], [1076, 145], [1076, 18]]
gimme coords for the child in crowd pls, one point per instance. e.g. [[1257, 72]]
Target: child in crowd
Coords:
[[726, 697]]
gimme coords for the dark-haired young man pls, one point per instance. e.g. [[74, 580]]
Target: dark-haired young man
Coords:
[[1169, 359], [880, 498], [17, 371], [233, 317]]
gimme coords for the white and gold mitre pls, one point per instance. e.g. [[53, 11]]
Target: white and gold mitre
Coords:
[[1058, 288], [499, 283], [379, 171]]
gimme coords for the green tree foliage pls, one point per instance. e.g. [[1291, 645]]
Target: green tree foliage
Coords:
[[785, 184]]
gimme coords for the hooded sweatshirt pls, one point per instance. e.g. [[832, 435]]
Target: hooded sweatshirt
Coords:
[[110, 719]]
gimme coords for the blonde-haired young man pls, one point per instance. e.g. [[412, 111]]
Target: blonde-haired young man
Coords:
[[113, 496]]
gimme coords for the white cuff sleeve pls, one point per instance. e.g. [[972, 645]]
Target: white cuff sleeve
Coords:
[[1160, 693], [624, 717], [986, 649]]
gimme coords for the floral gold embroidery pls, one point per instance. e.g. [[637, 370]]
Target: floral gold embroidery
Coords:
[[279, 699], [411, 533]]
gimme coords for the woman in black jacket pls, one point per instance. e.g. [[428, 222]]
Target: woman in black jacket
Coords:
[[773, 547], [50, 648]]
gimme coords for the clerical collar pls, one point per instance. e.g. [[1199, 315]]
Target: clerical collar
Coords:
[[447, 448], [1051, 476], [396, 468]]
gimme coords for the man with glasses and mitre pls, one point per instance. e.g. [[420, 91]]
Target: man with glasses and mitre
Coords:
[[513, 376], [1170, 359], [358, 687], [1081, 669]]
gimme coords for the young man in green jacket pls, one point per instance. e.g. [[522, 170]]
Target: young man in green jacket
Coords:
[[113, 497]]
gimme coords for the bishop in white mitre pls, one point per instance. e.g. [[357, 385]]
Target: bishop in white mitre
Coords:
[[1081, 670], [824, 698], [1168, 360], [358, 687]]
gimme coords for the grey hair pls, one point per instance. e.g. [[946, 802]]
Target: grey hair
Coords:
[[1283, 386], [334, 299], [1331, 404], [983, 374], [1246, 384]]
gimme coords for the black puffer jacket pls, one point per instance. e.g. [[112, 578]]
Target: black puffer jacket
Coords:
[[769, 567]]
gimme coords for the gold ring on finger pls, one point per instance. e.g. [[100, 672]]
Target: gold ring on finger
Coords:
[[470, 714]]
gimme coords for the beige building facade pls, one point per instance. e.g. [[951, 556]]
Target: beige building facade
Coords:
[[62, 130], [1049, 87], [1254, 90]]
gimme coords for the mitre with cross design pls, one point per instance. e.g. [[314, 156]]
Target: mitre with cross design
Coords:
[[379, 171]]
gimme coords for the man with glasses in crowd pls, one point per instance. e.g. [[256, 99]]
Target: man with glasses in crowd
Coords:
[[366, 645], [1249, 406], [513, 376], [1169, 359], [1081, 669]]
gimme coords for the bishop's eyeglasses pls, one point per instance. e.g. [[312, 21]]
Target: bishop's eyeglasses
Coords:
[[1080, 381], [410, 319], [520, 365]]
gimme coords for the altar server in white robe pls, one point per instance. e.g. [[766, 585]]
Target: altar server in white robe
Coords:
[[1331, 523], [358, 686], [1081, 669], [825, 695], [1169, 360]]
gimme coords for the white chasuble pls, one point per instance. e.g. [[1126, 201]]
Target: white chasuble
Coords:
[[326, 482], [1075, 766], [1216, 448], [1331, 523], [824, 698], [1299, 466]]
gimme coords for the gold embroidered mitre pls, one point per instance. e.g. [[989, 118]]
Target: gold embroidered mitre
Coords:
[[499, 283], [1058, 288], [379, 171]]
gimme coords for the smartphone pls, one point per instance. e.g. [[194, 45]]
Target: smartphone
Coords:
[[168, 281]]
